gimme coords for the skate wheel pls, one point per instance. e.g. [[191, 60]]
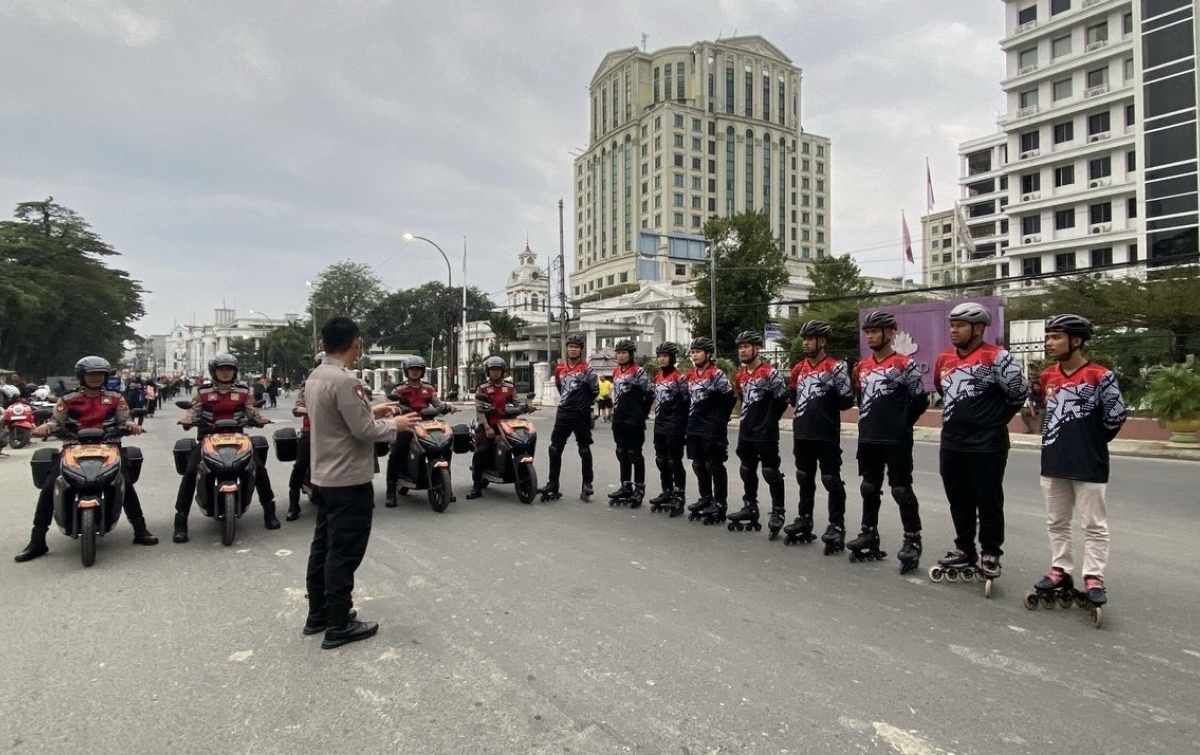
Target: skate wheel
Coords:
[[1065, 601], [952, 575], [757, 527], [732, 527], [1031, 600], [1047, 601], [771, 536], [987, 589], [1097, 616], [1081, 601], [935, 574]]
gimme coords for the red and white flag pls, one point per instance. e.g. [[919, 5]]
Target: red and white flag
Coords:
[[928, 187], [908, 254]]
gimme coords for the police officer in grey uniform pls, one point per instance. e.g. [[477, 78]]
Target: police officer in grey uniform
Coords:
[[345, 429]]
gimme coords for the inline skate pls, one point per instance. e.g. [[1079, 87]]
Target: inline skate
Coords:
[[714, 513], [1058, 589], [550, 492], [622, 496], [676, 506], [958, 565], [660, 502], [910, 552], [834, 539], [799, 531], [696, 509], [585, 493], [865, 547], [775, 523], [746, 519]]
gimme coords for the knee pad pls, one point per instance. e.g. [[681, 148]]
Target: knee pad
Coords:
[[868, 490], [699, 468], [801, 478], [903, 495], [555, 450], [831, 482], [748, 473], [772, 476]]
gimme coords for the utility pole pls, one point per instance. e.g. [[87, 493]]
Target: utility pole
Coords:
[[562, 284]]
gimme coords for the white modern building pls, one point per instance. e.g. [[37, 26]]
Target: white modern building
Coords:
[[1094, 167], [938, 265], [682, 134]]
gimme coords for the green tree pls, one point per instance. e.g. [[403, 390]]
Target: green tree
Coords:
[[838, 292], [248, 354], [750, 271], [345, 289], [59, 300], [506, 329], [409, 319]]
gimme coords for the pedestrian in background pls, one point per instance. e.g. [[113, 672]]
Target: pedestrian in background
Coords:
[[344, 431]]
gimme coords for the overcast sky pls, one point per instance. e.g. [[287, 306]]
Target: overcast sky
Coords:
[[230, 149]]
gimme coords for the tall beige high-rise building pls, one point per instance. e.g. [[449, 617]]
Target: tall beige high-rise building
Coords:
[[684, 133]]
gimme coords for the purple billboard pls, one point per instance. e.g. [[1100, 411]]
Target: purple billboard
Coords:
[[923, 330]]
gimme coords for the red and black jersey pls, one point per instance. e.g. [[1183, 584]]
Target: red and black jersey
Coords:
[[632, 395], [491, 398], [671, 402], [1084, 411], [891, 397], [414, 398], [981, 391], [578, 387], [712, 399], [763, 394], [820, 392], [214, 405], [78, 411]]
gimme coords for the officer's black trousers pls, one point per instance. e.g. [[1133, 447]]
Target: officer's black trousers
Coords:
[[338, 546]]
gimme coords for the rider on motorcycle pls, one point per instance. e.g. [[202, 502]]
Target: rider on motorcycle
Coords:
[[88, 407], [225, 399], [491, 399], [413, 395]]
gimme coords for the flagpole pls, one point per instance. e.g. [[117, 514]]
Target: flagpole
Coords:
[[904, 254]]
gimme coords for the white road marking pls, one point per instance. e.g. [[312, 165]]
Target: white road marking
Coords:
[[241, 656]]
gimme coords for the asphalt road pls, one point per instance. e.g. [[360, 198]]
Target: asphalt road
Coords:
[[576, 628]]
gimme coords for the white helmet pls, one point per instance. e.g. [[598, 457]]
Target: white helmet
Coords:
[[971, 312]]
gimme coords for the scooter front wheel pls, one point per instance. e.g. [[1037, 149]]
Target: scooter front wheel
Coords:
[[439, 490], [87, 536], [19, 437], [526, 484], [229, 508]]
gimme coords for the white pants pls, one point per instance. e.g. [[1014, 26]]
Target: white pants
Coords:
[[1062, 498]]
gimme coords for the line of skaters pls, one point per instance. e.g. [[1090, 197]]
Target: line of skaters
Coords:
[[981, 388]]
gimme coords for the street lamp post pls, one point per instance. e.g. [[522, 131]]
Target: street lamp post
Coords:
[[271, 323], [312, 301], [452, 367]]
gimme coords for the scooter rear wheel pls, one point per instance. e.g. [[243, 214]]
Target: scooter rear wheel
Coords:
[[526, 484]]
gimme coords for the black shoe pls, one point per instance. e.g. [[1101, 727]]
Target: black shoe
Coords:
[[270, 521], [141, 535], [180, 535], [474, 493], [37, 547], [389, 495], [293, 513], [353, 631], [316, 622]]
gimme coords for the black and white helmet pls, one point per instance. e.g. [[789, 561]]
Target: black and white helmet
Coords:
[[625, 344], [92, 364], [1072, 325], [703, 343], [815, 329], [414, 362], [576, 339], [493, 362], [667, 347], [880, 320], [971, 312], [752, 337]]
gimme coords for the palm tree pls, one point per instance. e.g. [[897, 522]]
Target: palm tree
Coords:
[[504, 328]]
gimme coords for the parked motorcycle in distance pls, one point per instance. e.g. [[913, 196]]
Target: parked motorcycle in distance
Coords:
[[90, 489], [511, 462], [225, 475], [18, 420], [427, 459]]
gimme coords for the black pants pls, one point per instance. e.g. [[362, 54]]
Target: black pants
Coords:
[[300, 471], [398, 457], [187, 485], [766, 452], [564, 428], [629, 439], [43, 515], [974, 484], [808, 454], [338, 546], [708, 457], [485, 449], [668, 456], [898, 459]]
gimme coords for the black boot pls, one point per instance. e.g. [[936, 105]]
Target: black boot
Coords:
[[293, 512], [270, 521], [351, 631], [316, 621], [180, 535], [141, 535], [37, 546], [389, 494]]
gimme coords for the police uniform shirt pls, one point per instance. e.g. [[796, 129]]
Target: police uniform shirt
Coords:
[[344, 431]]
